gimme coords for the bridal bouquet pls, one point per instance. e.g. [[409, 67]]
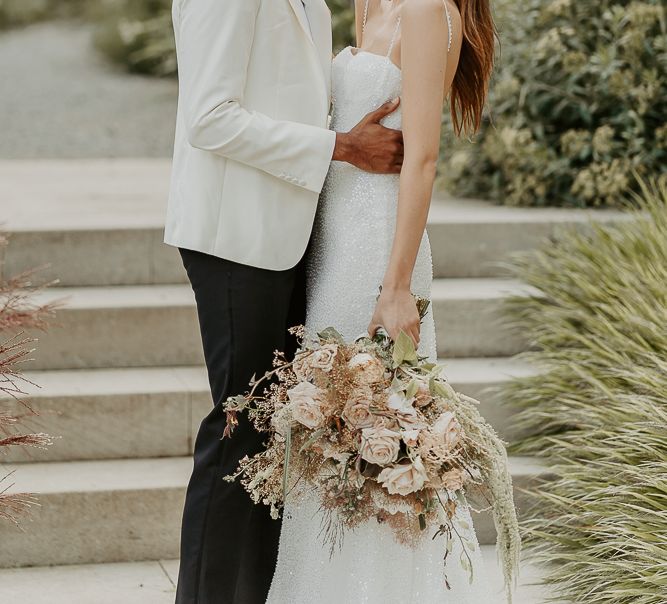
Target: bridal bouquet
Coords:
[[379, 435]]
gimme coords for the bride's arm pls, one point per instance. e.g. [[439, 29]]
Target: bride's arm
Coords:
[[424, 60]]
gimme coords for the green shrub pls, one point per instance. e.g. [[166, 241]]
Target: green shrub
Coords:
[[579, 104], [597, 412], [19, 13], [138, 34], [342, 17]]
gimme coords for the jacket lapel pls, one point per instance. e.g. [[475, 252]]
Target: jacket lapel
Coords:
[[320, 25], [317, 28], [300, 15]]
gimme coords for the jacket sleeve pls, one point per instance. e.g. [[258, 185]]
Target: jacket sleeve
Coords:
[[215, 41]]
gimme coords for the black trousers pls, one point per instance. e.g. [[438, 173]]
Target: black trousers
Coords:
[[229, 546]]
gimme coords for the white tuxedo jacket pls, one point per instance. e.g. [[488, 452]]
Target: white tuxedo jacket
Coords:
[[252, 146]]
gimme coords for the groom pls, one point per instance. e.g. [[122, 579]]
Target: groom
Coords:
[[251, 154]]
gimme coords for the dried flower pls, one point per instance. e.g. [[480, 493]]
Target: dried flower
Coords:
[[367, 369], [405, 478], [306, 406], [357, 411], [379, 445]]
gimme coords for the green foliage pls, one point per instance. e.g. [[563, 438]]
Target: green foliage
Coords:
[[597, 411], [138, 34], [342, 16], [19, 13], [579, 104], [15, 13]]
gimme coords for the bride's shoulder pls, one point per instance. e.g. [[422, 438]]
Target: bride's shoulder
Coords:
[[425, 10]]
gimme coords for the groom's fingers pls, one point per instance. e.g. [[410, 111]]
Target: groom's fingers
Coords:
[[383, 111]]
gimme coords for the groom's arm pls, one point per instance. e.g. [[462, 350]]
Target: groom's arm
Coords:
[[215, 41]]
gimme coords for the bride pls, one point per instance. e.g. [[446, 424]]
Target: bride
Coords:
[[370, 232]]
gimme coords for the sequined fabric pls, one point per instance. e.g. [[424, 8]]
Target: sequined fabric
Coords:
[[352, 241]]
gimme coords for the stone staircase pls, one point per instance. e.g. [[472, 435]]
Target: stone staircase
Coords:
[[121, 374]]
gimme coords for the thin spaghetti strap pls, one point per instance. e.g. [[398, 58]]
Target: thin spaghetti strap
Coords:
[[394, 38], [449, 24], [365, 19]]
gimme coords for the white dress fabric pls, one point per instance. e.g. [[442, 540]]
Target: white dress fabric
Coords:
[[352, 241]]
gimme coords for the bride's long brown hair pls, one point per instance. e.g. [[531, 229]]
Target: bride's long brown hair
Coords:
[[471, 82]]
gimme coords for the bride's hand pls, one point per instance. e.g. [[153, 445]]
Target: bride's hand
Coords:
[[396, 311]]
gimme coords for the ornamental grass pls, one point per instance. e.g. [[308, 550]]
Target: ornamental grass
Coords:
[[18, 312], [597, 411]]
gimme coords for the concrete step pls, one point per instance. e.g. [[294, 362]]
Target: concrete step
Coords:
[[154, 582], [100, 222], [95, 222], [124, 326], [97, 511], [155, 411], [114, 413], [473, 238], [124, 510], [156, 325], [469, 319]]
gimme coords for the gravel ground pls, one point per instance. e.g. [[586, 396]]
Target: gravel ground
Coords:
[[60, 99]]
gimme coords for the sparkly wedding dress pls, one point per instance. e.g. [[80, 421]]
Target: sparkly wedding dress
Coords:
[[351, 246]]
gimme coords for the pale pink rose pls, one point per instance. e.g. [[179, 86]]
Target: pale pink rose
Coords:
[[404, 479], [448, 429], [357, 412], [301, 366], [406, 414], [323, 358], [423, 396], [410, 437], [379, 445], [306, 404], [366, 368], [453, 480], [389, 423]]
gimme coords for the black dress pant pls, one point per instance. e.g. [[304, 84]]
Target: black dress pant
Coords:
[[229, 545]]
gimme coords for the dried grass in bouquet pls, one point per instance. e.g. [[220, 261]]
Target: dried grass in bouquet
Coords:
[[380, 435]]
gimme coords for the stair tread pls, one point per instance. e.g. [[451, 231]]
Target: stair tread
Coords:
[[134, 380], [143, 296], [138, 474], [484, 288], [105, 475], [153, 582], [456, 210], [115, 381], [118, 296], [113, 194]]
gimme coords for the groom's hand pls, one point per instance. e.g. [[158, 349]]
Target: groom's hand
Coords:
[[370, 146]]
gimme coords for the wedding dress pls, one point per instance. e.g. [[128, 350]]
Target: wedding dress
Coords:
[[351, 245]]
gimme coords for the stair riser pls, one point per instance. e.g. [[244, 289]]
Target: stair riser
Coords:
[[138, 256], [478, 250], [94, 258], [105, 526], [114, 427], [120, 337], [165, 336], [474, 328], [164, 424], [116, 526]]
